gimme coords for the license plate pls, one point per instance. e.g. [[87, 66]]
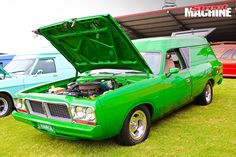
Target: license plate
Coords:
[[46, 127]]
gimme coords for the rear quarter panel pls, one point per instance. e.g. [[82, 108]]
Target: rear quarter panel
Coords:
[[203, 67]]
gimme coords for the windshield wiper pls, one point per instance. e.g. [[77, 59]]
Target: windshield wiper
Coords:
[[135, 72], [17, 71], [109, 73], [106, 73]]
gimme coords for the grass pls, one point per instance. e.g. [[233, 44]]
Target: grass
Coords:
[[196, 131]]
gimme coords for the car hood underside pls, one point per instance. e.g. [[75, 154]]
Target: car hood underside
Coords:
[[95, 42]]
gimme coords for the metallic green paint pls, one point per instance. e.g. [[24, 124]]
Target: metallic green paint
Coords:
[[94, 43], [160, 93], [63, 130]]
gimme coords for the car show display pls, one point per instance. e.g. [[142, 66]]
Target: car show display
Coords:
[[28, 70], [120, 85], [226, 53]]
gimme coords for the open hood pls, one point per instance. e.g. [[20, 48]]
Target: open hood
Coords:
[[3, 72], [94, 43]]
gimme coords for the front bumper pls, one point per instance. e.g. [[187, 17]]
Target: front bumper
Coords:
[[61, 129]]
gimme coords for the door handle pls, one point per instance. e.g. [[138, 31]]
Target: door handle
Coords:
[[188, 80], [54, 75]]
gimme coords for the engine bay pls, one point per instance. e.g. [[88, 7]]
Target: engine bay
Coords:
[[88, 89]]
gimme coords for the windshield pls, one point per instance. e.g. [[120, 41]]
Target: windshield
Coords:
[[3, 73], [153, 60], [2, 76], [20, 66]]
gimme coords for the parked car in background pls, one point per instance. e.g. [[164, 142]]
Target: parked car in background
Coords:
[[3, 73], [25, 71], [125, 85], [226, 53], [5, 59]]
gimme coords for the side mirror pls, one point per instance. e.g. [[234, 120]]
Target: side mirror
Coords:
[[39, 72], [172, 71]]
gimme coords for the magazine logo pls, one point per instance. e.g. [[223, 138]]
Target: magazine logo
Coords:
[[208, 11]]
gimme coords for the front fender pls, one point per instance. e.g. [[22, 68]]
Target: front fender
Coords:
[[118, 103], [11, 85]]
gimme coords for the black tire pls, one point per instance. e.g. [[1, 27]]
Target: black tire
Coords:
[[125, 137], [6, 105], [205, 99]]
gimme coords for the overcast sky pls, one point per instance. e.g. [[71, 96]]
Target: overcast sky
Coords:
[[20, 17]]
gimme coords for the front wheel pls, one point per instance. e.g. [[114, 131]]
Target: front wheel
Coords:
[[205, 98], [136, 127], [6, 105]]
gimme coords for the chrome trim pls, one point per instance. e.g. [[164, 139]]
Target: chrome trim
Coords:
[[4, 106], [47, 111], [26, 106], [31, 111], [55, 117], [137, 125], [87, 106]]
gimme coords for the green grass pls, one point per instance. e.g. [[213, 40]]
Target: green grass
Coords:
[[192, 131]]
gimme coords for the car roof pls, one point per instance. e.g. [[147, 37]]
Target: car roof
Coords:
[[166, 43], [6, 56], [37, 55]]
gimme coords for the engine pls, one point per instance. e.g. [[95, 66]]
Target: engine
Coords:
[[89, 89]]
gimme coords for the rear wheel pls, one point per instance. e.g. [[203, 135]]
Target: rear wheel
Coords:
[[6, 105], [205, 98], [136, 127]]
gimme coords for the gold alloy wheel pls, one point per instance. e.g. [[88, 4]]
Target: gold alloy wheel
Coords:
[[137, 125]]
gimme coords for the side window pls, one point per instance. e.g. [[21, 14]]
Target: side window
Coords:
[[46, 65], [185, 52], [174, 59], [199, 55]]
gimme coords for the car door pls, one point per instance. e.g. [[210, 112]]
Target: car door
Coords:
[[178, 91], [43, 71], [178, 85]]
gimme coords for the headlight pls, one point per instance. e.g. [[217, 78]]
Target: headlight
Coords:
[[83, 115], [90, 116], [20, 106], [79, 112], [18, 103]]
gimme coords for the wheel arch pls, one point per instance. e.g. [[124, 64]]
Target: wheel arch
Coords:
[[212, 81], [149, 105], [150, 108], [8, 94], [10, 103], [122, 136]]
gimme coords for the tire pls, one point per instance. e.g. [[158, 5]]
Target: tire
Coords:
[[205, 98], [6, 105], [136, 127]]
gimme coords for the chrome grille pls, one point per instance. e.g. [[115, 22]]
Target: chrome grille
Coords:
[[37, 107], [58, 110], [49, 110]]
